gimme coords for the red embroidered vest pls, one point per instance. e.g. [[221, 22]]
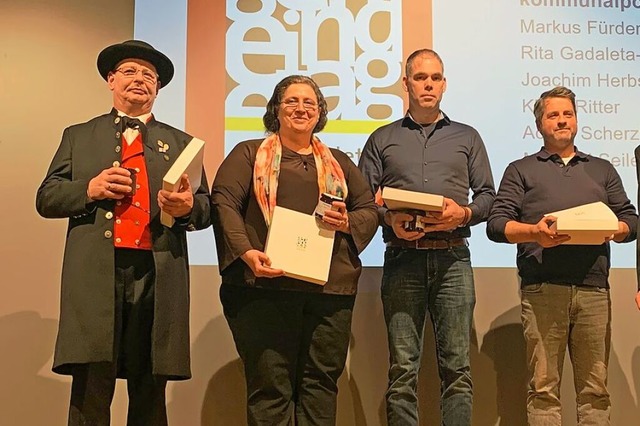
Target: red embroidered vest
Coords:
[[131, 227]]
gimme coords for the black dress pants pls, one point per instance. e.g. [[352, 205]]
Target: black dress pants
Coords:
[[293, 345], [93, 384]]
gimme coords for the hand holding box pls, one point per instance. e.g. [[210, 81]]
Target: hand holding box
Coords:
[[588, 224], [401, 199], [190, 162]]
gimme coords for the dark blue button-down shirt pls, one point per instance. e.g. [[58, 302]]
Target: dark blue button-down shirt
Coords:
[[448, 158]]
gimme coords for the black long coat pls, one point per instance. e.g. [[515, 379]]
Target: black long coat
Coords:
[[86, 330]]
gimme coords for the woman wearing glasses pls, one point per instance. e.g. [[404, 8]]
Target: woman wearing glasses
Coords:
[[292, 336]]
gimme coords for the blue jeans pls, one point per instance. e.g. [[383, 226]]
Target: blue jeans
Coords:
[[555, 317], [439, 282]]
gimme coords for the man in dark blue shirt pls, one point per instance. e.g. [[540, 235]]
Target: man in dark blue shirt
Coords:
[[565, 288], [430, 270]]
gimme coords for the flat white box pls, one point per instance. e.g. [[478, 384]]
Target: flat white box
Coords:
[[588, 224], [401, 199], [299, 245], [190, 162]]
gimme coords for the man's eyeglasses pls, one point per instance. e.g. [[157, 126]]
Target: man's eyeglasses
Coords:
[[147, 75], [294, 103]]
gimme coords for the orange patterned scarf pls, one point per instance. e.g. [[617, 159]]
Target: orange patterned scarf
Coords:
[[266, 171]]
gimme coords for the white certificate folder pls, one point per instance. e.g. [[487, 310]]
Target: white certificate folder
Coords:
[[299, 245]]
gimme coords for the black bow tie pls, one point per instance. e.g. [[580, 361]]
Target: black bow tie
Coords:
[[132, 123]]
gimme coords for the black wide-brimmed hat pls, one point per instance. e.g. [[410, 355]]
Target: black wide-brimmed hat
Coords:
[[135, 49]]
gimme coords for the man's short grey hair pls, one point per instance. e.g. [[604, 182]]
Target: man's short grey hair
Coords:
[[419, 53], [556, 92]]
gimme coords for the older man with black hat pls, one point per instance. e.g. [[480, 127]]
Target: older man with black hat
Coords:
[[125, 278]]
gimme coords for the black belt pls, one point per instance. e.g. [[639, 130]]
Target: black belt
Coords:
[[427, 244]]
